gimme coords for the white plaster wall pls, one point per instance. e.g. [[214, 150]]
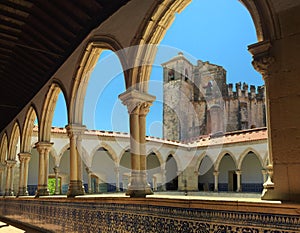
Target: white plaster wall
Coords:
[[227, 164], [251, 169], [33, 168], [103, 166]]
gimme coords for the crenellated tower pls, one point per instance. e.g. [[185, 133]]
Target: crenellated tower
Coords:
[[198, 101]]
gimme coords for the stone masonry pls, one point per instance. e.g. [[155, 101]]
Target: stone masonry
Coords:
[[198, 101]]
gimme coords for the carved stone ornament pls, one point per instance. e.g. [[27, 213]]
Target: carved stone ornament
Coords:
[[262, 65]]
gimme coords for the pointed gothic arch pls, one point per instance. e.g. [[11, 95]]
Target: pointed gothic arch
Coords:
[[87, 63], [13, 141], [48, 111], [3, 148], [28, 129]]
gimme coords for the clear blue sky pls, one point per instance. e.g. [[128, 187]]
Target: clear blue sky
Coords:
[[217, 31]]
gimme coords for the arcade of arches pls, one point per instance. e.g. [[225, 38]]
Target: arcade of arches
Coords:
[[275, 56]]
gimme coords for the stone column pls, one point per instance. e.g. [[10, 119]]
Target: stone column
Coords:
[[2, 170], [144, 110], [262, 62], [23, 178], [76, 185], [163, 179], [216, 175], [43, 148], [117, 172], [89, 179], [238, 180], [265, 175], [10, 164], [56, 172], [137, 104]]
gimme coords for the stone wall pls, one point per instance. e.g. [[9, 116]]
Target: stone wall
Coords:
[[189, 98]]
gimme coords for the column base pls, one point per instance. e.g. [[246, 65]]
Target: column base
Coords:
[[133, 192], [75, 188], [42, 192], [9, 193], [138, 186], [22, 192]]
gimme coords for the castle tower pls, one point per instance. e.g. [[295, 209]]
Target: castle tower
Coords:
[[198, 101], [178, 95]]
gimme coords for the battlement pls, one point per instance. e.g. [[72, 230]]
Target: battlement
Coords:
[[243, 91]]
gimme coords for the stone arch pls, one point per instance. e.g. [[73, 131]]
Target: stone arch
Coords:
[[245, 153], [205, 171], [28, 129], [198, 161], [87, 63], [3, 148], [48, 111], [109, 149], [159, 19], [179, 165], [227, 168], [151, 32], [125, 168], [13, 141], [220, 157], [171, 173], [251, 177], [158, 154], [154, 174]]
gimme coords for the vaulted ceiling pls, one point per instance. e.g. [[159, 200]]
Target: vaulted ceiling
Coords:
[[36, 37]]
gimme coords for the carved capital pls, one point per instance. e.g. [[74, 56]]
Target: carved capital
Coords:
[[75, 130], [43, 147], [263, 64], [24, 156], [145, 108], [238, 172], [262, 60], [137, 102], [216, 173], [10, 163]]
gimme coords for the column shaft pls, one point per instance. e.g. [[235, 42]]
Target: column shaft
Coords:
[[76, 185], [43, 148]]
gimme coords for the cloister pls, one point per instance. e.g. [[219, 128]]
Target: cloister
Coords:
[[132, 29], [171, 165]]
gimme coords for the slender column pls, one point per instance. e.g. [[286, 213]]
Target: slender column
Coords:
[[89, 179], [76, 185], [238, 180], [264, 173], [43, 148], [23, 178], [117, 172], [216, 175], [163, 179], [2, 170], [262, 61], [10, 164], [144, 110], [56, 172], [134, 99]]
